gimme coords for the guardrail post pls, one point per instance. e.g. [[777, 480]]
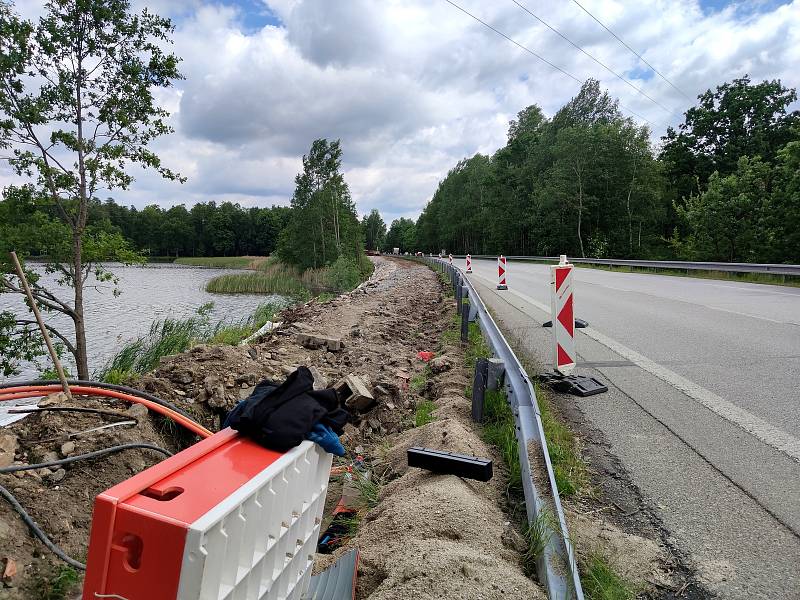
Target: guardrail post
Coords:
[[496, 371], [479, 388], [459, 296], [465, 325]]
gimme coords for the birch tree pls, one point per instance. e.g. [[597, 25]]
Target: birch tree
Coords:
[[76, 111]]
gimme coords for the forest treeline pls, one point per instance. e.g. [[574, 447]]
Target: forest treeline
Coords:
[[723, 186]]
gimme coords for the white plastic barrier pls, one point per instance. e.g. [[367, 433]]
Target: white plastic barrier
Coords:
[[260, 542]]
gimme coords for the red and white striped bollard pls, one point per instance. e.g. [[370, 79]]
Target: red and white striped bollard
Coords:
[[563, 316], [450, 257], [501, 272], [469, 264]]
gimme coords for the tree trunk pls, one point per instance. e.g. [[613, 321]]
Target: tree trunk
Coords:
[[81, 358], [628, 206], [580, 215]]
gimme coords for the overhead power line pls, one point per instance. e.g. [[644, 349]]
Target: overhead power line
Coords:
[[656, 71], [544, 60], [516, 43], [599, 62]]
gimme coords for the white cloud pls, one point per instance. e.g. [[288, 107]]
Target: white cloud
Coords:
[[412, 86]]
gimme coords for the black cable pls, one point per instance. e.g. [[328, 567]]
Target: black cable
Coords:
[[37, 530], [87, 456], [598, 61], [619, 39], [529, 51], [100, 384], [516, 43], [80, 409]]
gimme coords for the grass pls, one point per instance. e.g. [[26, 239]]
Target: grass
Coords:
[[223, 262], [476, 345], [499, 430], [274, 277], [452, 335], [568, 465], [368, 490], [173, 336], [537, 535], [424, 413], [279, 280], [60, 585], [601, 582]]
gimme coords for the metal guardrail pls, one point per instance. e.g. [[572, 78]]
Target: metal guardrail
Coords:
[[556, 565], [773, 269]]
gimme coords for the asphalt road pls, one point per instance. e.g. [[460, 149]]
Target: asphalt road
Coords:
[[703, 408]]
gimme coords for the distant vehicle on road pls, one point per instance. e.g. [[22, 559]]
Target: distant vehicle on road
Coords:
[[395, 250]]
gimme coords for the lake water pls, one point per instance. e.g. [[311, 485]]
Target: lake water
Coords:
[[150, 292]]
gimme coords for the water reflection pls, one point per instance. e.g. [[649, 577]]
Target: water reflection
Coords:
[[149, 293]]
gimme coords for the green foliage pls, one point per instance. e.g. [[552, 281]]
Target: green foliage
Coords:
[[562, 447], [601, 582], [587, 182], [208, 229], [586, 174], [60, 585], [737, 119], [18, 342], [368, 487], [374, 230], [77, 109], [476, 346], [344, 274], [499, 430], [424, 413], [276, 277], [402, 234], [258, 283], [418, 382], [537, 535], [726, 220], [324, 224], [173, 336]]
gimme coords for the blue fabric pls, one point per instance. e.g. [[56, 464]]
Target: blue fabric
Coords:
[[327, 438]]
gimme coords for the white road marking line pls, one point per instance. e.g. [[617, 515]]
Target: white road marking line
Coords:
[[755, 426], [756, 290]]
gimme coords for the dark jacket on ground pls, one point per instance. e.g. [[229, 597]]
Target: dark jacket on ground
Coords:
[[280, 417]]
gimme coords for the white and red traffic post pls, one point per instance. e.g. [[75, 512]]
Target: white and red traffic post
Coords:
[[563, 316], [469, 264], [501, 272], [450, 257]]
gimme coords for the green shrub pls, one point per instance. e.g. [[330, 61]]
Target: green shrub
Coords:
[[344, 274]]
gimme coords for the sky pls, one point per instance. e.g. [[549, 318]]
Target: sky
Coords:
[[412, 86]]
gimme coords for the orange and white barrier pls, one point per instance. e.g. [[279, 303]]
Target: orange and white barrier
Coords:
[[225, 518], [469, 264], [501, 273], [563, 316]]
